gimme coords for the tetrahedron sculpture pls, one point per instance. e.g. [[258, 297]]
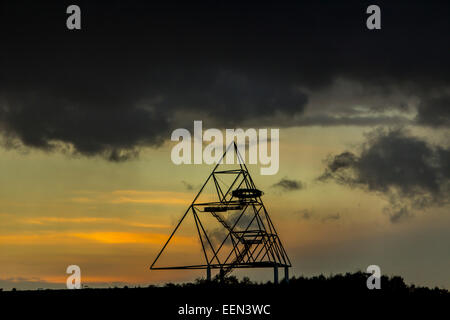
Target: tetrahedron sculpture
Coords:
[[247, 236]]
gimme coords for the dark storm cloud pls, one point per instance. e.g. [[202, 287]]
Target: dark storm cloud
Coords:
[[435, 111], [410, 172], [42, 120], [137, 69], [231, 97], [286, 184]]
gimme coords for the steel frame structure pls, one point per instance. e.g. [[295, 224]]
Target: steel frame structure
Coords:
[[254, 240]]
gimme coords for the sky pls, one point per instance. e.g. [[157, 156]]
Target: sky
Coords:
[[86, 118]]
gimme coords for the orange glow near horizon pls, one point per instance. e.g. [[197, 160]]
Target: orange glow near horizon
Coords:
[[135, 196], [100, 237]]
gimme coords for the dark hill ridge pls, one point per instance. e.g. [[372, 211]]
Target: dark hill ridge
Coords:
[[345, 295]]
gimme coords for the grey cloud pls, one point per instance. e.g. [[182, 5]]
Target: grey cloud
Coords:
[[34, 283], [22, 283], [331, 217], [435, 111], [411, 173], [243, 221], [217, 236], [307, 214], [397, 213], [304, 214], [187, 185], [356, 120], [286, 184]]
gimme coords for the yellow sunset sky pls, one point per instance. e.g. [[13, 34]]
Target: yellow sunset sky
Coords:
[[111, 219]]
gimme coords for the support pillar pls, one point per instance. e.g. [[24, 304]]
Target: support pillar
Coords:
[[286, 274], [275, 274], [208, 273]]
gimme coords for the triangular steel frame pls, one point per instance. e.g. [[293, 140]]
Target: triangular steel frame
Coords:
[[255, 246]]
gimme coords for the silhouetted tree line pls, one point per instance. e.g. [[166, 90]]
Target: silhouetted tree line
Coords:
[[339, 284], [349, 282]]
